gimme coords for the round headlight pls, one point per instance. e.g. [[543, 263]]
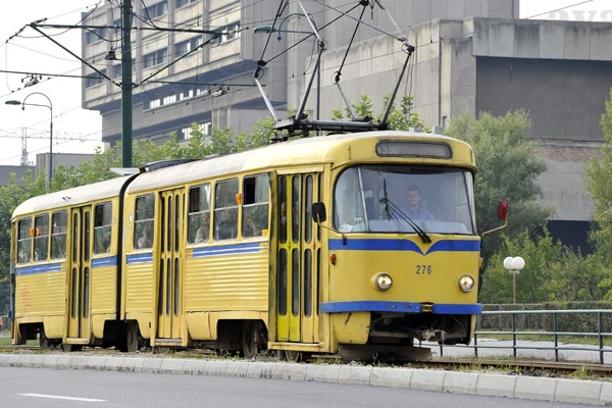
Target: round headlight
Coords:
[[466, 283], [383, 281]]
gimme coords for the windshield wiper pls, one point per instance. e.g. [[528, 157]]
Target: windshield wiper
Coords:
[[393, 210]]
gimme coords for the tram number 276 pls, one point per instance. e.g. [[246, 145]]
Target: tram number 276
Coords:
[[423, 269]]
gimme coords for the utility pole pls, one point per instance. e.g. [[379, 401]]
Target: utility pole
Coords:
[[126, 83]]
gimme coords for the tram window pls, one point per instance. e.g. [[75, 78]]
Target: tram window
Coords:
[[295, 208], [226, 210], [86, 236], [143, 222], [281, 282], [41, 237], [103, 222], [295, 282], [282, 199], [58, 235], [199, 214], [255, 206], [308, 210], [307, 282], [24, 241]]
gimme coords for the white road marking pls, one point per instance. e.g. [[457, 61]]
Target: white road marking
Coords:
[[61, 397]]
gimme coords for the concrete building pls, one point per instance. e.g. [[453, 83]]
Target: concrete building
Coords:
[[200, 87], [472, 56]]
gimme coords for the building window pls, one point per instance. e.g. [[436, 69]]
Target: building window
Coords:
[[226, 209], [41, 240], [255, 206], [226, 33], [24, 241], [94, 35], [184, 47], [103, 221], [199, 214], [156, 10], [143, 222], [94, 79], [58, 235], [183, 3], [169, 99], [155, 58]]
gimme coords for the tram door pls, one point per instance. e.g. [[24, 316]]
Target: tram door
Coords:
[[297, 259], [170, 271], [79, 277]]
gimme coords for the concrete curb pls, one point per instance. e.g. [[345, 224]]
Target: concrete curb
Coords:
[[484, 384]]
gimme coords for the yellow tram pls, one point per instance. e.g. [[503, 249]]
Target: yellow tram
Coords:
[[362, 242]]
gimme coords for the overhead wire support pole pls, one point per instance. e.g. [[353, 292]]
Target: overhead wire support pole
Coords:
[[310, 22], [126, 84], [338, 75], [300, 111], [409, 51], [262, 63]]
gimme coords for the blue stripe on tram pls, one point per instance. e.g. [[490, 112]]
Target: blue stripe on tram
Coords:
[[146, 257], [106, 261], [399, 307], [34, 269], [232, 249], [446, 245]]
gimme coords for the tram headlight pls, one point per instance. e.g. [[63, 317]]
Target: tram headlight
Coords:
[[383, 281], [466, 283]]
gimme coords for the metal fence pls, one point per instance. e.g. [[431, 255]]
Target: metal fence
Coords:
[[597, 315]]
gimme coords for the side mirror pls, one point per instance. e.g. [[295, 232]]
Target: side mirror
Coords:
[[318, 212], [502, 209]]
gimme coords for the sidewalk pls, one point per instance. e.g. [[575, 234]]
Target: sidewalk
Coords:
[[484, 384]]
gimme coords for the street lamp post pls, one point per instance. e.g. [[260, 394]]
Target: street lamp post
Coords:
[[50, 107], [514, 265]]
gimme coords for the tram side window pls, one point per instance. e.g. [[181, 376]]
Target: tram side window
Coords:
[[41, 239], [199, 214], [226, 209], [24, 241], [58, 235], [255, 206], [103, 223], [143, 222]]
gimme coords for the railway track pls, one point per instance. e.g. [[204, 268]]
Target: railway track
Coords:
[[524, 367]]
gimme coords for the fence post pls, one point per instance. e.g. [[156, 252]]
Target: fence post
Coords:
[[513, 335], [555, 329], [601, 338]]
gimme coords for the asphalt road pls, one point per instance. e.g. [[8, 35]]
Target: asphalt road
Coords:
[[33, 388]]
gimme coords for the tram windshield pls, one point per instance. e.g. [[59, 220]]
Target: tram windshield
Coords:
[[389, 198]]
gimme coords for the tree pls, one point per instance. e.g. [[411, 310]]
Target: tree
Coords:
[[552, 272], [404, 118], [508, 167], [599, 176]]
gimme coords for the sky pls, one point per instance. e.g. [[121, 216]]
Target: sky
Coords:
[[35, 54]]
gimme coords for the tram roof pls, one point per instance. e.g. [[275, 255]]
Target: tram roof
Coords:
[[322, 149], [72, 196]]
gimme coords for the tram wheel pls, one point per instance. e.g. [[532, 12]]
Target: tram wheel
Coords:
[[296, 356], [131, 337], [43, 340], [254, 338]]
